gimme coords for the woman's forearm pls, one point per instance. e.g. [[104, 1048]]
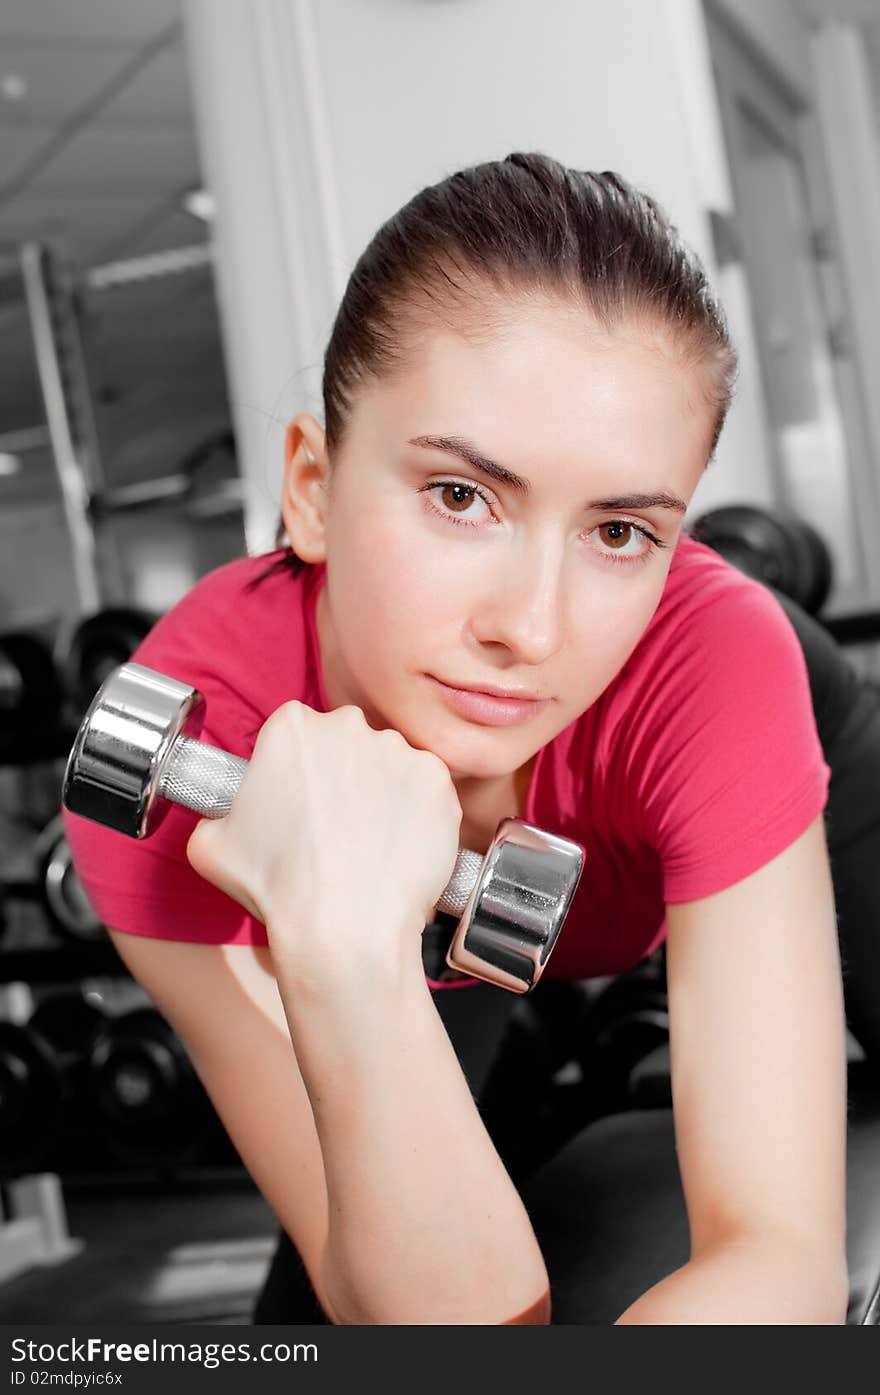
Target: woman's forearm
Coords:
[[762, 1278], [425, 1225]]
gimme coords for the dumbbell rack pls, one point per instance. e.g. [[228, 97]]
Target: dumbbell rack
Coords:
[[33, 950], [33, 1219], [33, 1225], [35, 959], [44, 951]]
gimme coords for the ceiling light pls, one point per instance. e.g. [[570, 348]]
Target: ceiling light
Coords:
[[200, 204], [13, 87], [9, 464]]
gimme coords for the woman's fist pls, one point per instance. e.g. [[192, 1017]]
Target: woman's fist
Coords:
[[341, 839]]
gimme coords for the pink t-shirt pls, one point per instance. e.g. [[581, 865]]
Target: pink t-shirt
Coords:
[[698, 764]]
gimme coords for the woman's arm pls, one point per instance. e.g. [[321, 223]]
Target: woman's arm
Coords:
[[225, 1004], [757, 1042], [341, 839]]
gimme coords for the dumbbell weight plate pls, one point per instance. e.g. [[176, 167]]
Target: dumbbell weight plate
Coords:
[[778, 549], [33, 1101], [150, 1102], [820, 570], [768, 547], [30, 698], [69, 1023], [751, 540], [97, 646], [62, 893], [11, 686], [809, 580]]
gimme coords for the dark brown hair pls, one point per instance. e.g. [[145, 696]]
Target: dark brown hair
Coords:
[[518, 226]]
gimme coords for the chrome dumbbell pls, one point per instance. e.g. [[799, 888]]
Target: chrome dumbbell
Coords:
[[136, 752]]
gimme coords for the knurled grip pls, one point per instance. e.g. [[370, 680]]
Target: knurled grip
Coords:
[[201, 778], [461, 883]]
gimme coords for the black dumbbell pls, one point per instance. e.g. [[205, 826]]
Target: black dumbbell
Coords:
[[63, 896], [69, 1022], [42, 1075], [30, 700], [98, 645], [135, 754], [33, 1100], [819, 571], [628, 1019], [150, 1104], [775, 548]]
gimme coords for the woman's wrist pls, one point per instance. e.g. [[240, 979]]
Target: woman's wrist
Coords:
[[316, 964]]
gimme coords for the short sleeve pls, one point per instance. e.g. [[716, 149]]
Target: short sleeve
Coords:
[[146, 886], [729, 766]]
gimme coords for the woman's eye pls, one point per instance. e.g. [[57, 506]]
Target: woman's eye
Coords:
[[618, 535], [457, 497], [455, 502], [626, 542]]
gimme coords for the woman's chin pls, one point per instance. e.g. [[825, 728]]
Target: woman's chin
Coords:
[[467, 759], [479, 770]]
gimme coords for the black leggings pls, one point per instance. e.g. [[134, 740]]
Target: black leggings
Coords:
[[476, 1019]]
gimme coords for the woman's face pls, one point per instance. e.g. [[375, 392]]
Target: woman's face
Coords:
[[440, 570]]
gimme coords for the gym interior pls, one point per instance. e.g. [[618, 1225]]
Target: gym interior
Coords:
[[183, 189]]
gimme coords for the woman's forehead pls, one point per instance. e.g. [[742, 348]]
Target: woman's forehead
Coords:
[[542, 387]]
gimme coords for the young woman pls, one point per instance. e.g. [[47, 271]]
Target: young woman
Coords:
[[523, 386]]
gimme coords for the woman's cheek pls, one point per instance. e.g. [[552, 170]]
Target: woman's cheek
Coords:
[[399, 568], [378, 594]]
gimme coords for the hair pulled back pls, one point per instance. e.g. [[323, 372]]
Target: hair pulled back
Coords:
[[519, 226], [526, 223]]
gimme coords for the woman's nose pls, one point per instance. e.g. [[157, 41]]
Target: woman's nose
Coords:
[[522, 605]]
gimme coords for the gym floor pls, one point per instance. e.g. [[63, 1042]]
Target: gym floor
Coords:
[[192, 1252]]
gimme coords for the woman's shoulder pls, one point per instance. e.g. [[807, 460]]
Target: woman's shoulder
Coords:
[[718, 643], [709, 609], [702, 583], [250, 586]]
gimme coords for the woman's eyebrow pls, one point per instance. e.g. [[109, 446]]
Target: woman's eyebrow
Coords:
[[456, 445]]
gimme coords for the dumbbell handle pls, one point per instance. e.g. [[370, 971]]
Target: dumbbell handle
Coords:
[[206, 779]]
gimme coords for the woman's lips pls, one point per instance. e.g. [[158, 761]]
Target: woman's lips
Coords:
[[487, 710]]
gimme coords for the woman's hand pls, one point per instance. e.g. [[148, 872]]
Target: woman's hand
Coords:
[[341, 839]]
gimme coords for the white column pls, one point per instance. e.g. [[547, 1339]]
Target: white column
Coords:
[[849, 127], [257, 101]]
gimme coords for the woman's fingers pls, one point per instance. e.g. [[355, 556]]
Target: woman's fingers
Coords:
[[335, 827]]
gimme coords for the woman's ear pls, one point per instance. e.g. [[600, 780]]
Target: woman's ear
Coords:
[[305, 496]]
